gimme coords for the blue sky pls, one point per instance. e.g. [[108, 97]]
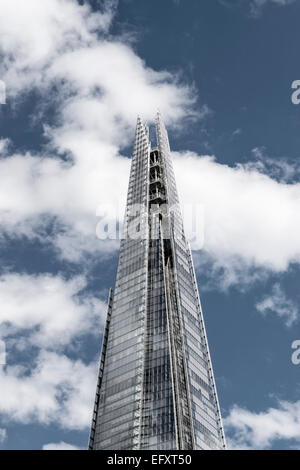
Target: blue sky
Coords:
[[76, 77]]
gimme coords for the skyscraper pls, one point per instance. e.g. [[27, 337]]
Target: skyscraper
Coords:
[[156, 387]]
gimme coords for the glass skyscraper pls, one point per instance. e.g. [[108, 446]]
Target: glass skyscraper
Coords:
[[156, 387]]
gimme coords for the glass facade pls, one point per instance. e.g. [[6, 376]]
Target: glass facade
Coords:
[[155, 387]]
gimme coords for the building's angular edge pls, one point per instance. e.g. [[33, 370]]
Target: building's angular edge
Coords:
[[101, 369], [194, 332], [118, 419]]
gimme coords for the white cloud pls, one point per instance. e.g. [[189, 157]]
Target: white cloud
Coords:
[[250, 221], [29, 46], [117, 73], [49, 313], [57, 390], [49, 310], [255, 6], [60, 446], [278, 303], [4, 143], [222, 273], [93, 72], [250, 430], [281, 169]]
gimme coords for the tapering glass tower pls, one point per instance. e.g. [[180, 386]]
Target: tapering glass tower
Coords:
[[156, 388]]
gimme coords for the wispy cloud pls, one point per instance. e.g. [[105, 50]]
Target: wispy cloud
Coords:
[[260, 430], [282, 169], [278, 304], [237, 132], [48, 310], [57, 390], [61, 446]]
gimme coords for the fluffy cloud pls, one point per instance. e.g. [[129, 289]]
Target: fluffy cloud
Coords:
[[29, 46], [49, 313], [49, 310], [68, 56], [278, 303], [280, 169], [250, 430], [57, 390], [39, 190], [68, 46], [250, 219], [60, 446]]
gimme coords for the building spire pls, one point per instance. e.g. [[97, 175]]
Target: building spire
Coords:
[[156, 387]]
